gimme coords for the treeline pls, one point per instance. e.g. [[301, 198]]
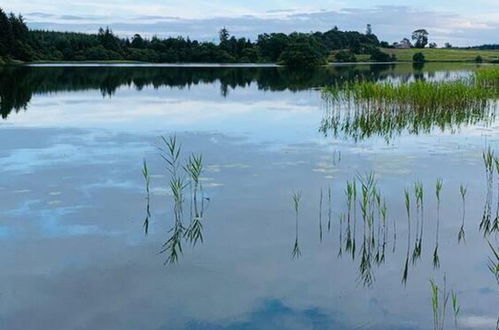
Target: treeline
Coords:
[[485, 47], [17, 42]]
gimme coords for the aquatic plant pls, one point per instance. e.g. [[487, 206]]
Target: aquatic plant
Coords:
[[354, 198], [384, 214], [363, 109], [340, 251], [173, 246], [494, 267], [455, 308], [419, 193], [461, 235], [194, 170], [320, 217], [494, 262], [487, 77], [181, 177], [147, 179], [439, 299], [495, 223], [296, 252], [488, 159], [349, 194], [329, 209], [408, 211], [438, 189]]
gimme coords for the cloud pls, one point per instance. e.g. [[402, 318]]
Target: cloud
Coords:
[[390, 23]]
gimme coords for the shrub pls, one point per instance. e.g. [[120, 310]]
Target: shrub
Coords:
[[379, 56], [345, 56], [478, 59], [301, 55], [418, 58]]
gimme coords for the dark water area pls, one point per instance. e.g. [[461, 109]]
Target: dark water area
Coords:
[[284, 244]]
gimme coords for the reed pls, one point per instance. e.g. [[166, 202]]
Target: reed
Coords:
[[461, 235], [439, 300], [488, 160], [342, 219], [487, 77], [408, 211], [194, 169], [438, 189], [329, 208], [354, 197], [181, 177], [320, 216], [419, 194], [296, 252], [455, 308], [419, 96], [495, 223], [362, 109], [147, 179], [494, 262], [350, 201]]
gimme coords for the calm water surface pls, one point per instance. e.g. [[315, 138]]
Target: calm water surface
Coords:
[[73, 250]]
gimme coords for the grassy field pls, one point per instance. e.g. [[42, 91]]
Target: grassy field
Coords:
[[444, 55]]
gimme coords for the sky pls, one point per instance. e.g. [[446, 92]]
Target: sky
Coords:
[[460, 22]]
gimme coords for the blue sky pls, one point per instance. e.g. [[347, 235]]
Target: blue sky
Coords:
[[457, 21]]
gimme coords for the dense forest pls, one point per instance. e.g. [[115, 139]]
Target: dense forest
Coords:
[[18, 42]]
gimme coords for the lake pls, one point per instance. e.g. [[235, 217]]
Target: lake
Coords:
[[280, 241]]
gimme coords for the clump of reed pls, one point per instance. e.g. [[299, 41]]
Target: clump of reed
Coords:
[[362, 109], [372, 213], [296, 197], [413, 96], [181, 176], [439, 300], [194, 169], [487, 77]]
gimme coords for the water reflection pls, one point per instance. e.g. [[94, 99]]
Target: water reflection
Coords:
[[31, 81]]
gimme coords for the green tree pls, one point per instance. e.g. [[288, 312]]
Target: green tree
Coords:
[[420, 38], [223, 35], [301, 55]]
